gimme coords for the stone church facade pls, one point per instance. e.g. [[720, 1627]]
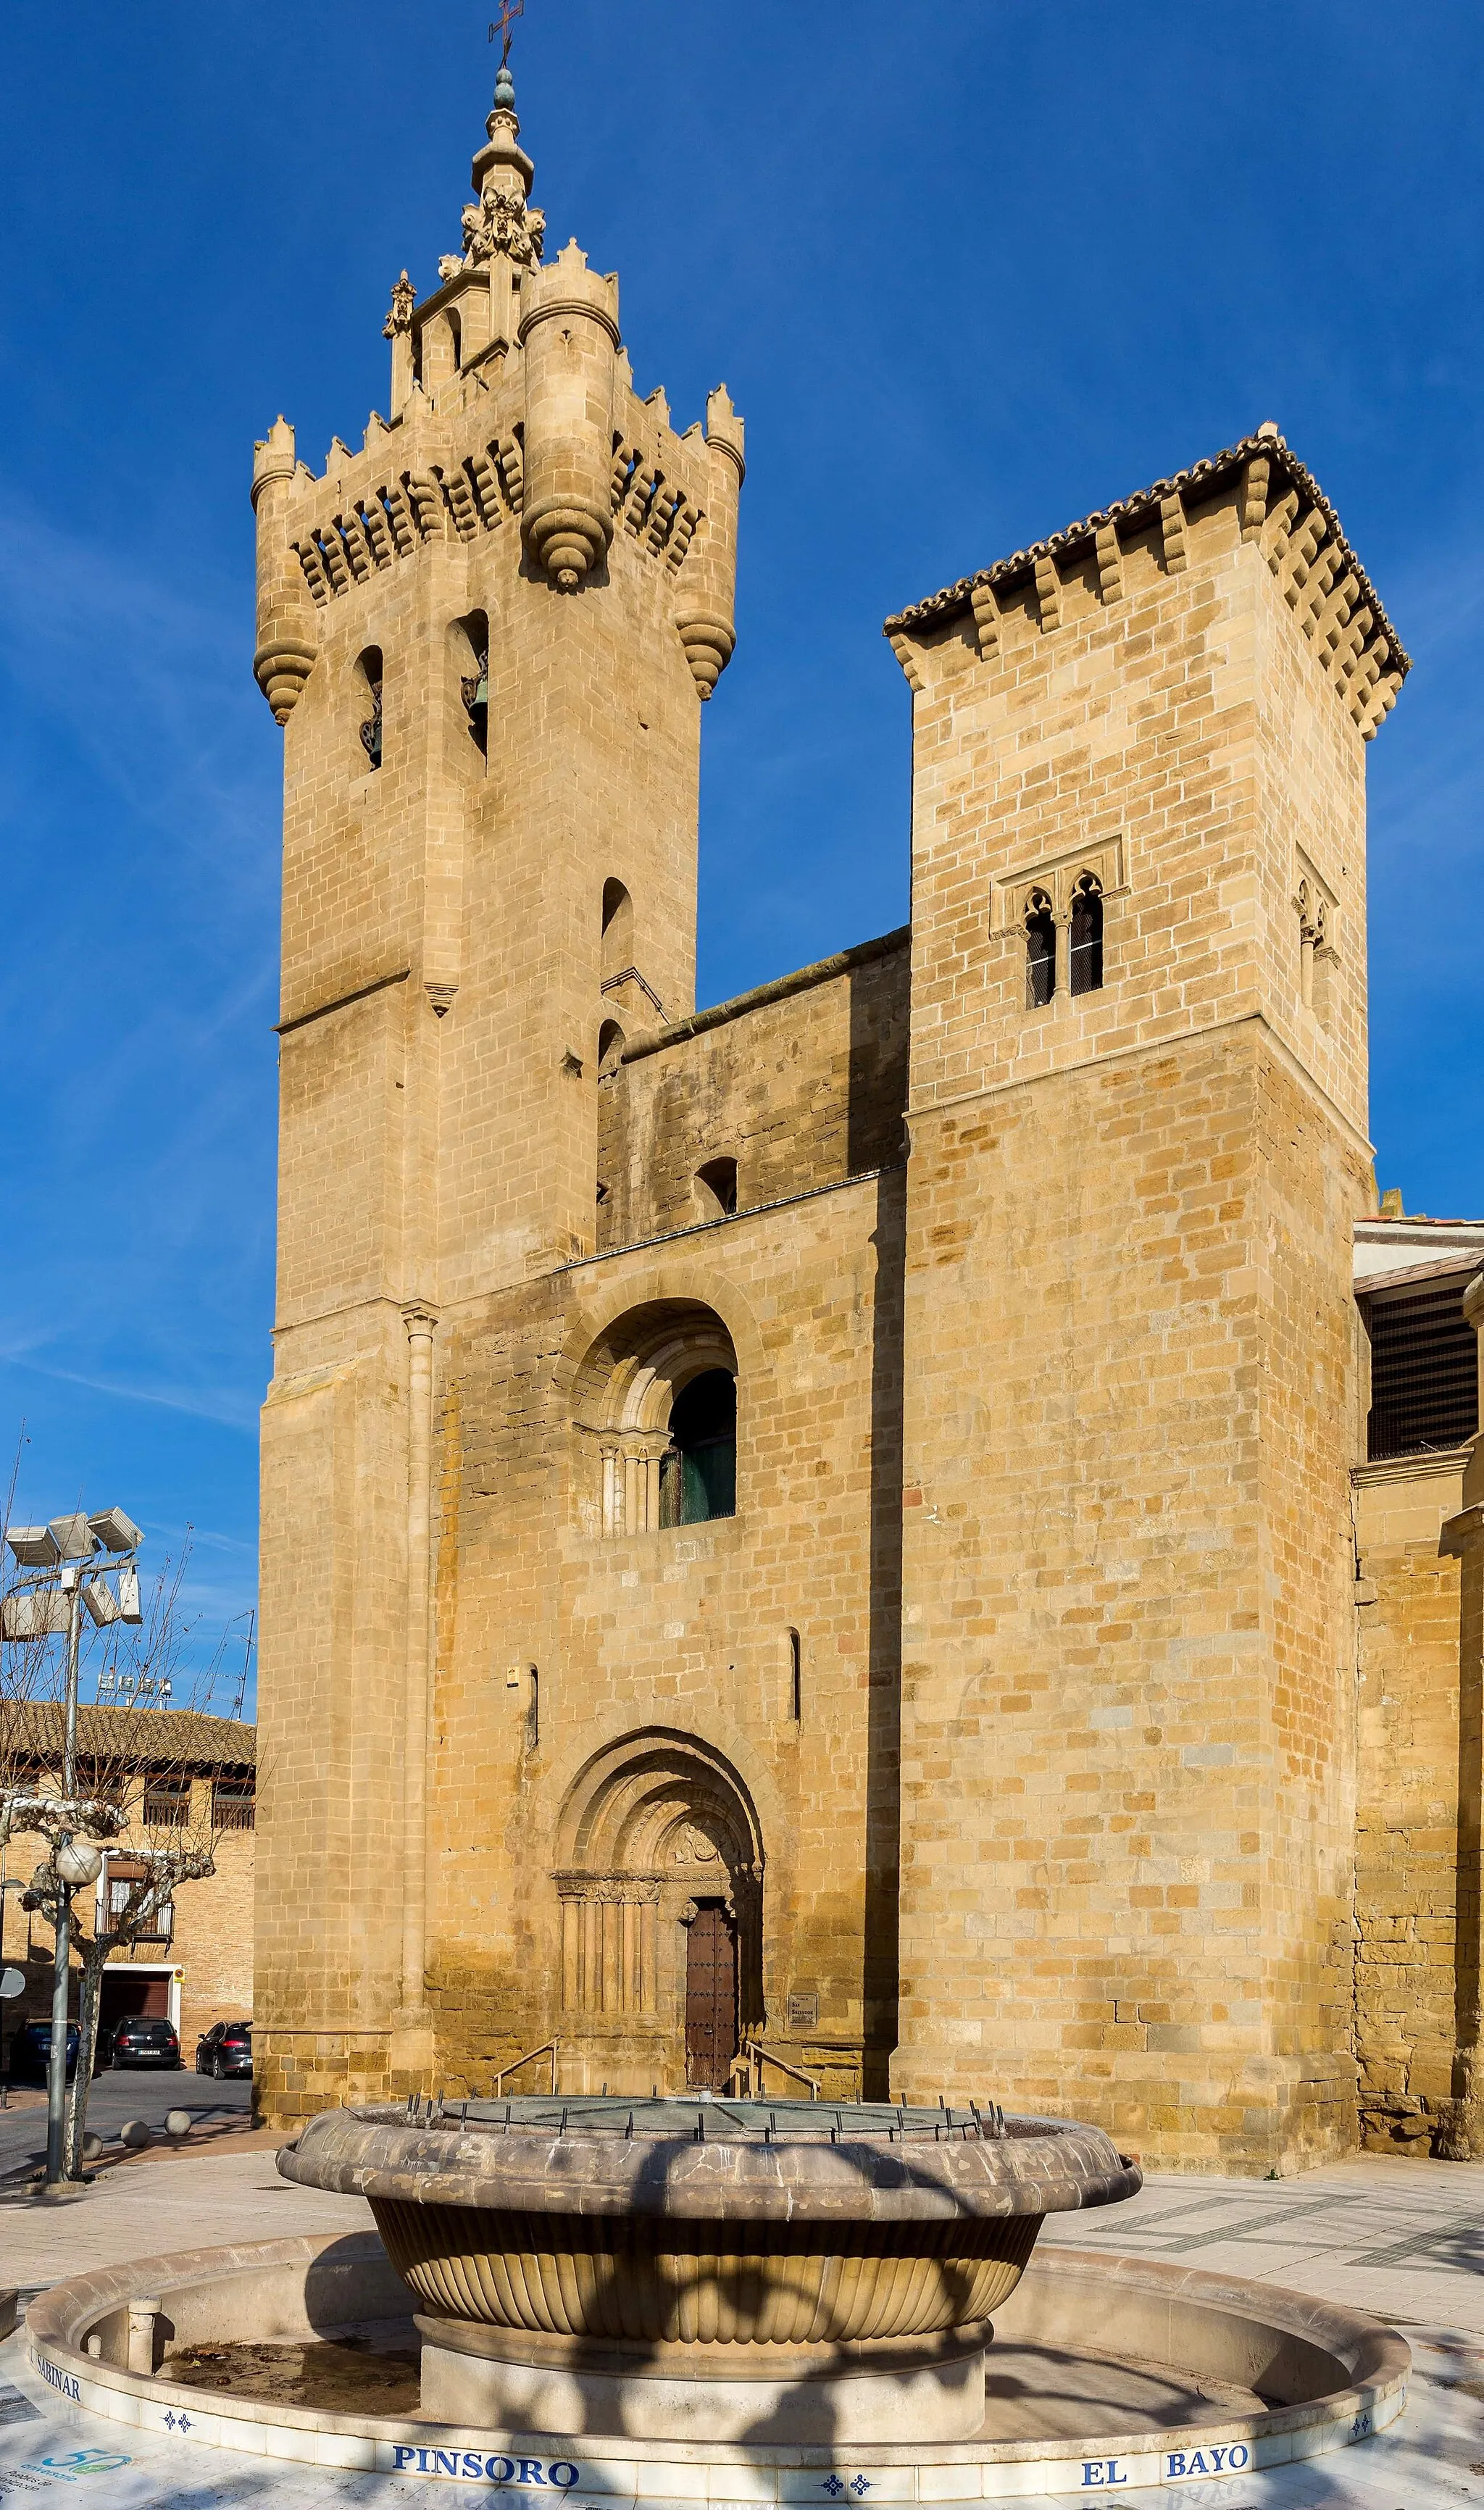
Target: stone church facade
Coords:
[[817, 1534]]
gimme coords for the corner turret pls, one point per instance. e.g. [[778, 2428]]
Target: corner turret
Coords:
[[286, 640], [569, 331], [705, 618]]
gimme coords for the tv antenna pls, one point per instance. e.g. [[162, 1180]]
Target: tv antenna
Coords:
[[241, 1679]]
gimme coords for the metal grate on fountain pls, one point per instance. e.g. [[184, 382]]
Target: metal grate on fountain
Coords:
[[711, 2118]]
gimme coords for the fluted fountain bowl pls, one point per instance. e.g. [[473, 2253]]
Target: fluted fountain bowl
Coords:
[[651, 2243]]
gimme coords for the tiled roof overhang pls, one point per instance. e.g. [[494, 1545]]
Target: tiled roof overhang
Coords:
[[1133, 514]]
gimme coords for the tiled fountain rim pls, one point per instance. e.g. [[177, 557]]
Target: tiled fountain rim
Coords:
[[1373, 2360], [575, 2158]]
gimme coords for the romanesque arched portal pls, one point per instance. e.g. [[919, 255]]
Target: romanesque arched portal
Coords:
[[658, 1835]]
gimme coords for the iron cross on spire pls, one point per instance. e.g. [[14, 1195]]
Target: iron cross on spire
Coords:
[[509, 10]]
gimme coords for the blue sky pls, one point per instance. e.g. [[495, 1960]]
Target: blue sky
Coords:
[[970, 269]]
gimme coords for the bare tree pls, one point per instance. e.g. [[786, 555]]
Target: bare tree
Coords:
[[143, 1777]]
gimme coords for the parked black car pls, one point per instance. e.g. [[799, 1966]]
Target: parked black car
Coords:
[[32, 2052], [225, 2049], [143, 2039]]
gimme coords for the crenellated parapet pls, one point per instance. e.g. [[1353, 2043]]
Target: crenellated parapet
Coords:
[[1278, 505], [511, 401]]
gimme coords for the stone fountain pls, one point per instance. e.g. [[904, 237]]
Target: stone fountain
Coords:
[[716, 2270], [708, 2300]]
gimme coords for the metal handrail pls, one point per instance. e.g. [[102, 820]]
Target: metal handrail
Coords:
[[547, 2049], [757, 2056]]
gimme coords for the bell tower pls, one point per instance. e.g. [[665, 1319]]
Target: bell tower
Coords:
[[487, 633]]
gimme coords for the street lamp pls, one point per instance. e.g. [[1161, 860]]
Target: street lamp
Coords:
[[66, 1564]]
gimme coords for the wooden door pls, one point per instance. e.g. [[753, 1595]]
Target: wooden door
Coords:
[[711, 1999]]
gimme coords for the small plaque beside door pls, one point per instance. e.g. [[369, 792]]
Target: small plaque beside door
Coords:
[[803, 2009]]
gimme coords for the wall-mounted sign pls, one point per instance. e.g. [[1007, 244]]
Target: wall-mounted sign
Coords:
[[803, 2009]]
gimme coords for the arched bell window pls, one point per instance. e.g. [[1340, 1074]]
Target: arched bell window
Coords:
[[1040, 949], [655, 1408], [1085, 956], [369, 667], [698, 1472], [473, 685]]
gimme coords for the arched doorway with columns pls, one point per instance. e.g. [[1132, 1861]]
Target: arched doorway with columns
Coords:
[[660, 1883]]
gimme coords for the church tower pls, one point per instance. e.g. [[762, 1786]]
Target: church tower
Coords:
[[487, 633], [1138, 1147]]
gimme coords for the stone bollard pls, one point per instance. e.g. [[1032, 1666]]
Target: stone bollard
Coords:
[[136, 2135], [179, 2124], [144, 2317]]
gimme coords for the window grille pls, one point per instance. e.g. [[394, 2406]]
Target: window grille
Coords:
[[167, 1803], [1424, 1387], [233, 1803]]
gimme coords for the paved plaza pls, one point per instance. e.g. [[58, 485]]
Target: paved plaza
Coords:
[[1404, 2240]]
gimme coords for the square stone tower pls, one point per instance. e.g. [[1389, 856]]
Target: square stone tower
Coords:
[[488, 634], [1138, 1145]]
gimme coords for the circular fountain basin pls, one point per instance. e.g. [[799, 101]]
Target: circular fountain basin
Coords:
[[708, 2269], [1108, 2373]]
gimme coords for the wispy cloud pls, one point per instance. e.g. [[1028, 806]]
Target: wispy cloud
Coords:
[[229, 1412]]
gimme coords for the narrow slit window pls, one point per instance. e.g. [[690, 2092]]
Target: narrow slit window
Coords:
[[717, 1189], [1085, 956], [1039, 950], [795, 1678], [617, 932]]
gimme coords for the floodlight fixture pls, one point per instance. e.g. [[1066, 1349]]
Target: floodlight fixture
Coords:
[[35, 1547], [115, 1530], [39, 1612], [130, 1609], [73, 1537], [105, 1682], [99, 1602]]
